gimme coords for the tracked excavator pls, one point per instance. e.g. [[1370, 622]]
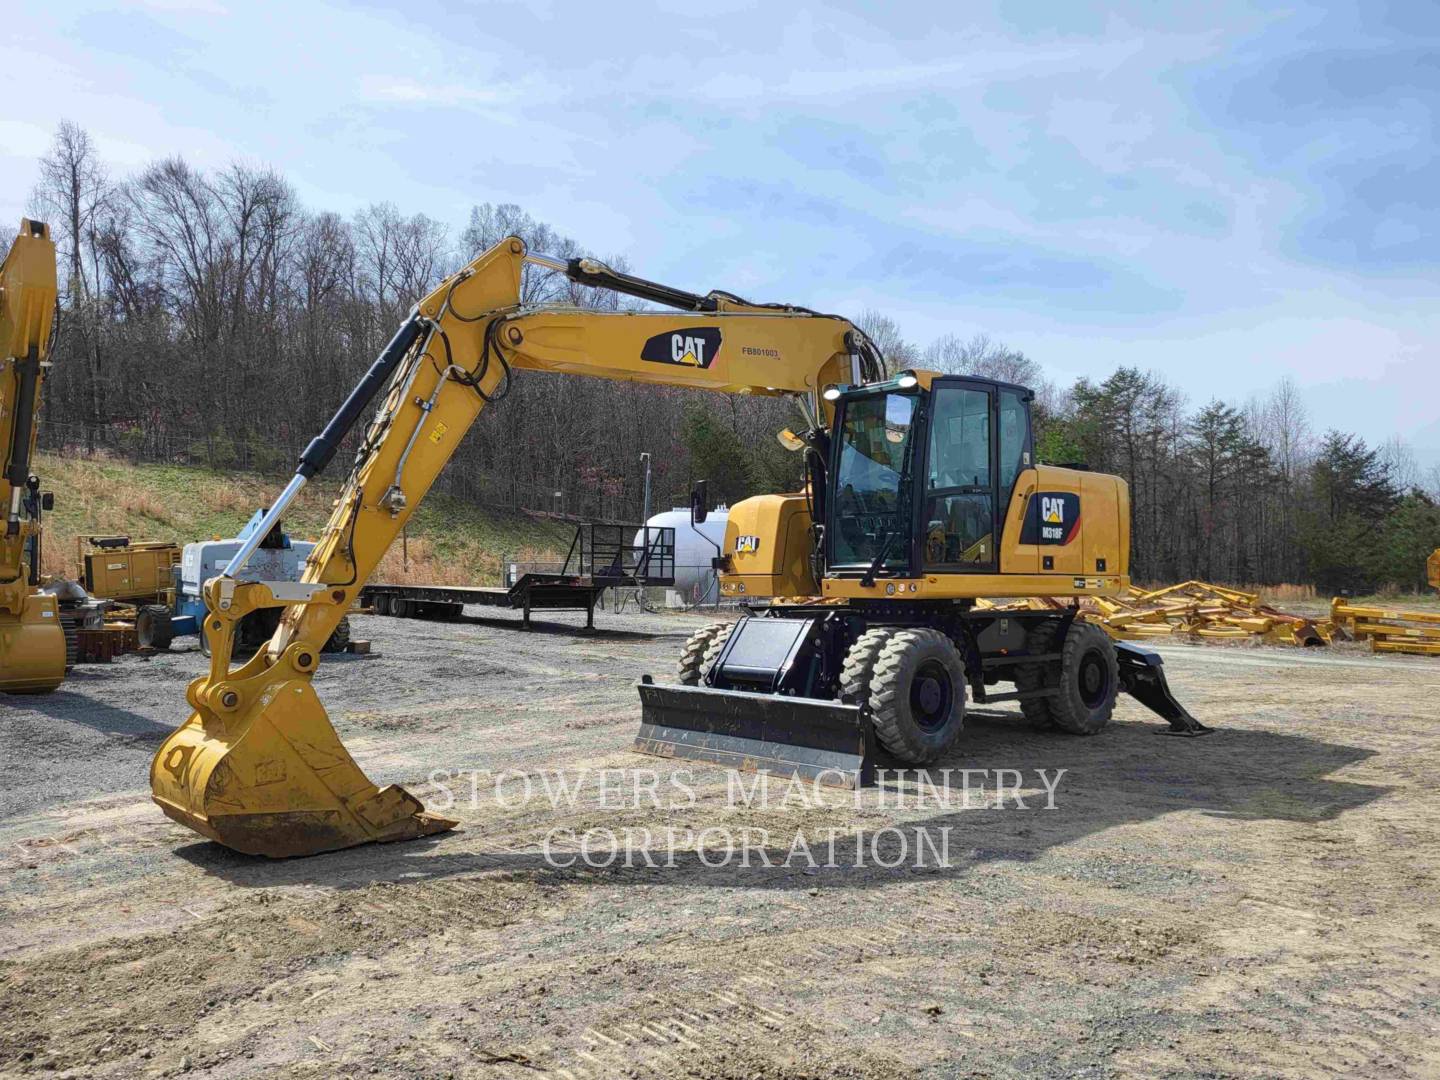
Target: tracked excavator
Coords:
[[922, 495], [33, 648]]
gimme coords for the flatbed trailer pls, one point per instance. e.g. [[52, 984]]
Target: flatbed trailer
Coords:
[[601, 556]]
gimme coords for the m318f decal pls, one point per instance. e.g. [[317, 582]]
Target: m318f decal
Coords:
[[1053, 517]]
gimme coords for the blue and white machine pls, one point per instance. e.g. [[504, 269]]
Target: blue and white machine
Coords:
[[278, 558]]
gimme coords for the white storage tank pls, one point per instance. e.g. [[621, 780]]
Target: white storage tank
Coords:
[[695, 546]]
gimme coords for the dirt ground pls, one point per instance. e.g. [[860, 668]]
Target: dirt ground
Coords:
[[1258, 903]]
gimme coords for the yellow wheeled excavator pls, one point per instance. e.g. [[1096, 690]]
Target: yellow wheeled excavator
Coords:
[[922, 494], [32, 639]]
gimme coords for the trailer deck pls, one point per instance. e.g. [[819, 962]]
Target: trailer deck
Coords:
[[601, 556]]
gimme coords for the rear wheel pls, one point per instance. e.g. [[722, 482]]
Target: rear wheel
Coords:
[[1089, 681], [692, 657], [917, 695], [381, 604], [1030, 677]]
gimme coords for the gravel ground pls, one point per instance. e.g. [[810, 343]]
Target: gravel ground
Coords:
[[1259, 903]]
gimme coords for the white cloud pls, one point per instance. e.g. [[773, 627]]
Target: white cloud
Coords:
[[405, 91]]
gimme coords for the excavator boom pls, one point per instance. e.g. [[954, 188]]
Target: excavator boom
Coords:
[[258, 766], [32, 641]]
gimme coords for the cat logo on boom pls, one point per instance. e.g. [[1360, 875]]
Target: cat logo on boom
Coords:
[[696, 347]]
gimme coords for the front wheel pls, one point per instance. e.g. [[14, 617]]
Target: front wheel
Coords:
[[917, 695], [692, 657]]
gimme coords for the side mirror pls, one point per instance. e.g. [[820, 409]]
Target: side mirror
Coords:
[[700, 501], [47, 500], [789, 440]]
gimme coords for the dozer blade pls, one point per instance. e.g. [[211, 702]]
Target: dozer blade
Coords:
[[275, 780], [825, 741], [1142, 674]]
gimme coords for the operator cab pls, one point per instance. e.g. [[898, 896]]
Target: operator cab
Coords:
[[922, 469]]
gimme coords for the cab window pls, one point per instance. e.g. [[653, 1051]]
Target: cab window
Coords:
[[959, 507], [1014, 441]]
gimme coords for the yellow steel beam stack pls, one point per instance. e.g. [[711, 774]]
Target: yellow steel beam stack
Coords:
[[1389, 631], [1194, 609]]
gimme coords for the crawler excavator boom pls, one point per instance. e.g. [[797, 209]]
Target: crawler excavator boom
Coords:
[[32, 640], [259, 767]]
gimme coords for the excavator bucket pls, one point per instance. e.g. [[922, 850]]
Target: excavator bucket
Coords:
[[275, 780]]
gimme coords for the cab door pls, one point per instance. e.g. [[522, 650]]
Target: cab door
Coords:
[[958, 508]]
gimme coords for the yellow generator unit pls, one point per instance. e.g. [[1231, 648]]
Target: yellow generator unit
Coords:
[[115, 569]]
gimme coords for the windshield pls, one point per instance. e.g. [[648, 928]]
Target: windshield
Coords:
[[874, 443]]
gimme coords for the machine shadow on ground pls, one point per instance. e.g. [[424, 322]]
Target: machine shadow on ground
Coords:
[[599, 633], [1125, 777], [77, 708]]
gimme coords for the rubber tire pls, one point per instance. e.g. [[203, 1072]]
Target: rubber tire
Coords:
[[400, 607], [153, 627], [339, 637], [1038, 676], [860, 663], [691, 665], [381, 604], [890, 684], [1069, 709], [717, 644]]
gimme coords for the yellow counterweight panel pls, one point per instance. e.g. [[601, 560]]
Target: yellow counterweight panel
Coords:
[[1094, 544]]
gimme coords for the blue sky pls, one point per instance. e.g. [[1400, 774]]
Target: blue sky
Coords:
[[1223, 193]]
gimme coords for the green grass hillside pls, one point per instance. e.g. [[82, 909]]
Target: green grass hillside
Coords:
[[450, 541]]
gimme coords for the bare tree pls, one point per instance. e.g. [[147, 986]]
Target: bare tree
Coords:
[[71, 194], [885, 332], [1400, 461]]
